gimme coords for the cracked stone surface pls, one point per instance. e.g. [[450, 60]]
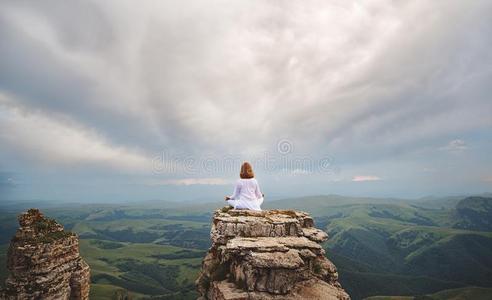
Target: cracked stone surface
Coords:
[[44, 262], [273, 254]]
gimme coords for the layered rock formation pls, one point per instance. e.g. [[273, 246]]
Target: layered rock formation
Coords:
[[44, 262], [267, 255]]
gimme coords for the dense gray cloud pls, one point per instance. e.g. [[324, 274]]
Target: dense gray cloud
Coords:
[[385, 89]]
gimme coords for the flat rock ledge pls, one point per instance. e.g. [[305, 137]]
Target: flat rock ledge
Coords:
[[44, 262], [267, 255]]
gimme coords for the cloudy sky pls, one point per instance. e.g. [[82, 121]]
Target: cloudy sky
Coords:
[[126, 100]]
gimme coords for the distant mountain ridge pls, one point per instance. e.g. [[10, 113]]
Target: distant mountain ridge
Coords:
[[474, 213]]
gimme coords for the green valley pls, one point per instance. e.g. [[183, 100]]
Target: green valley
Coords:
[[382, 247]]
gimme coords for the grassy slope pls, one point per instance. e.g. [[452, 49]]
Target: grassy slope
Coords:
[[390, 298], [393, 246], [475, 293], [108, 291], [142, 267], [467, 293], [106, 268], [364, 284], [103, 260], [3, 263]]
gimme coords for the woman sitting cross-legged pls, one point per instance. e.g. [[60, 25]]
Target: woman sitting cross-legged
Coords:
[[247, 193]]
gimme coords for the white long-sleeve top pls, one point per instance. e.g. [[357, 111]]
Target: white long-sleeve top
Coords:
[[247, 195]]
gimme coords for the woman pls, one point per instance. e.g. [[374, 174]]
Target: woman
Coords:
[[247, 194]]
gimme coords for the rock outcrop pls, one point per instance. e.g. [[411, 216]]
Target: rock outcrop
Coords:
[[44, 262], [267, 255]]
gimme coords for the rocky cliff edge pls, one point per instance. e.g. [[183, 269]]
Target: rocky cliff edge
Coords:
[[266, 255]]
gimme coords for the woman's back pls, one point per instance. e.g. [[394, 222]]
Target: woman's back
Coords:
[[248, 189], [247, 193]]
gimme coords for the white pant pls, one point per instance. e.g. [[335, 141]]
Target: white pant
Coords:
[[246, 204]]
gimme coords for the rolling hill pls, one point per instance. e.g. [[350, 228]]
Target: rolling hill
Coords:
[[394, 247], [474, 213], [409, 248]]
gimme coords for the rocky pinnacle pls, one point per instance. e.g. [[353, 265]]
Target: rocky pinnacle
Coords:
[[266, 255], [44, 262]]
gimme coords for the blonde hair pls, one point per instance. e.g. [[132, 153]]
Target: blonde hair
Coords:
[[246, 171]]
